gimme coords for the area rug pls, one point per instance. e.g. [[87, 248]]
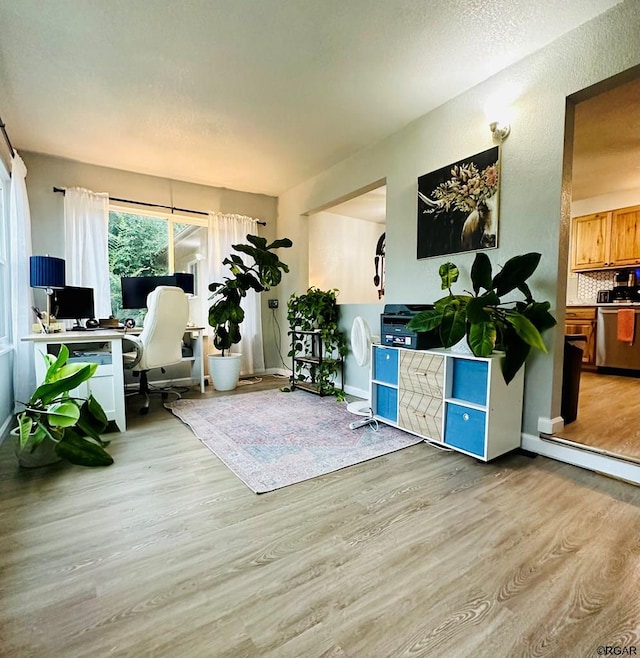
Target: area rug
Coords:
[[271, 439]]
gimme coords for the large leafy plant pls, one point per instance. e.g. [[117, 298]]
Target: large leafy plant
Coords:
[[73, 424], [489, 323], [225, 314]]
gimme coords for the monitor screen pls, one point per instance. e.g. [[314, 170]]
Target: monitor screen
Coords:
[[136, 288], [73, 303]]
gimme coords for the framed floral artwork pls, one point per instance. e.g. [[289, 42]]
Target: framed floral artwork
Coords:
[[458, 206]]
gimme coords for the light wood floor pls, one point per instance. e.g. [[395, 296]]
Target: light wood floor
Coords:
[[418, 553], [608, 415]]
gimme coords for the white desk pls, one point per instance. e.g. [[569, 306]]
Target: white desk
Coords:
[[107, 384]]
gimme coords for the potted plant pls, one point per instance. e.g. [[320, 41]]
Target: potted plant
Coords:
[[54, 425], [226, 313], [487, 322], [316, 310]]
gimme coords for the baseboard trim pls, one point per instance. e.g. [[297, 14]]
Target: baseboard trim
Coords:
[[356, 392], [565, 452]]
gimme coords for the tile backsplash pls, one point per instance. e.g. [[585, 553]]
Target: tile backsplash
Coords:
[[590, 282]]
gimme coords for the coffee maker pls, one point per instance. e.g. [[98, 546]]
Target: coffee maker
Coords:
[[626, 288]]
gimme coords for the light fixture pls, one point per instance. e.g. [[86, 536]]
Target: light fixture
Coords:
[[499, 110], [499, 131], [47, 272]]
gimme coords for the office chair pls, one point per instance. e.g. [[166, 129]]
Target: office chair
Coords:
[[160, 343]]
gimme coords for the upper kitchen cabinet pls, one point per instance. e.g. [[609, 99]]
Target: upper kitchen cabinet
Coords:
[[625, 237], [606, 240], [590, 241]]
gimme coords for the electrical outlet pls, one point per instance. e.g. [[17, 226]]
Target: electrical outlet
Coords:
[[273, 303]]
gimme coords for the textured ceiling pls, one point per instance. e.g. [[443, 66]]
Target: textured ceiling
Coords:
[[255, 95]]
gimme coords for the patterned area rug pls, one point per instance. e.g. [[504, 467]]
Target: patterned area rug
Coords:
[[271, 439]]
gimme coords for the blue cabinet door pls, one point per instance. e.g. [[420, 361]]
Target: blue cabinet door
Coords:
[[464, 428], [385, 402], [385, 365], [470, 380]]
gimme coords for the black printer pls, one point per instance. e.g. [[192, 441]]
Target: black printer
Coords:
[[394, 332]]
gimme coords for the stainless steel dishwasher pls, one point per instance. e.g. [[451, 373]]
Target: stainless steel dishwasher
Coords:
[[610, 352]]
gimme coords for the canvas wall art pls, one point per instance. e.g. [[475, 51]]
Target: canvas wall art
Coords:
[[458, 206]]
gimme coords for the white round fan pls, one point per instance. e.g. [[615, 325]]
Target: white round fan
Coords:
[[361, 349], [360, 341]]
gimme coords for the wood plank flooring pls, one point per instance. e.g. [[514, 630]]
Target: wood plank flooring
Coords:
[[608, 415], [418, 553]]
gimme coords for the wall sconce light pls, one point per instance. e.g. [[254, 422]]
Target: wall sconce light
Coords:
[[47, 272], [498, 111], [499, 131]]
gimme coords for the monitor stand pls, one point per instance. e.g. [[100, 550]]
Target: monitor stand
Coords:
[[78, 326]]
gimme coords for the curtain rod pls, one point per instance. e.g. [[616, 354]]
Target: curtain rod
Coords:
[[6, 137], [153, 205]]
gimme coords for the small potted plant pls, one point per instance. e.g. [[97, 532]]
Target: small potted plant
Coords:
[[483, 320], [54, 425], [226, 313]]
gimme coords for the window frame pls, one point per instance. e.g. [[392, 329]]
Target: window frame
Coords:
[[5, 274], [171, 218]]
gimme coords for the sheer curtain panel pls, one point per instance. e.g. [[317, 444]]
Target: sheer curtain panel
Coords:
[[86, 224], [224, 231], [21, 294]]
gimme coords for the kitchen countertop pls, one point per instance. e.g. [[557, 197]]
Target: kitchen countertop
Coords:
[[610, 305]]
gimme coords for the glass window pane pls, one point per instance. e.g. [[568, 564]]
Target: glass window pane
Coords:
[[138, 246], [189, 247]]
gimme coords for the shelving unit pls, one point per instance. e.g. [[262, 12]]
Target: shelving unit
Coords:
[[457, 400], [310, 358]]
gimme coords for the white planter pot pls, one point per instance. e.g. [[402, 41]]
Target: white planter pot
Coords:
[[225, 371], [43, 455]]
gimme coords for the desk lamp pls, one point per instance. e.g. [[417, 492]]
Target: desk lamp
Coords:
[[47, 272]]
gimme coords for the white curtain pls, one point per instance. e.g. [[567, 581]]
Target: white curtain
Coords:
[[224, 231], [86, 225], [24, 380]]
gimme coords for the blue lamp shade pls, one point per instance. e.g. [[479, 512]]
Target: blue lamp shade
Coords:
[[46, 272]]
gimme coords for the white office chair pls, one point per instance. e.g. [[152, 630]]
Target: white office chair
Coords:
[[160, 343]]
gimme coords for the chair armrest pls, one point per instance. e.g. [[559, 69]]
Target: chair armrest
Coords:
[[132, 349]]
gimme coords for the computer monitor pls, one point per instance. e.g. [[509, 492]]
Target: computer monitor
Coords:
[[73, 303], [136, 288]]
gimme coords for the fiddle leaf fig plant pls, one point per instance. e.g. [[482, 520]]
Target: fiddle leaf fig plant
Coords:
[[489, 323], [225, 314], [73, 424]]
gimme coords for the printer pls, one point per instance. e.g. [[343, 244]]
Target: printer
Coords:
[[394, 332]]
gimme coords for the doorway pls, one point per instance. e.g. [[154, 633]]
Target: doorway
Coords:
[[605, 183], [347, 248]]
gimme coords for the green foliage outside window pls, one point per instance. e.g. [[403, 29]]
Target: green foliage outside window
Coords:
[[137, 247]]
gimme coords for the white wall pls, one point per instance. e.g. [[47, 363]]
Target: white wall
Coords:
[[341, 255], [534, 214], [45, 172]]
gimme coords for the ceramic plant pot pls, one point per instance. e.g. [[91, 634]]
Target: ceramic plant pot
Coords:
[[225, 371], [43, 455]]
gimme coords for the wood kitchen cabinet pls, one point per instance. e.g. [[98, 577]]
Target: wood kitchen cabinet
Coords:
[[582, 320], [590, 241], [606, 239], [625, 237]]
